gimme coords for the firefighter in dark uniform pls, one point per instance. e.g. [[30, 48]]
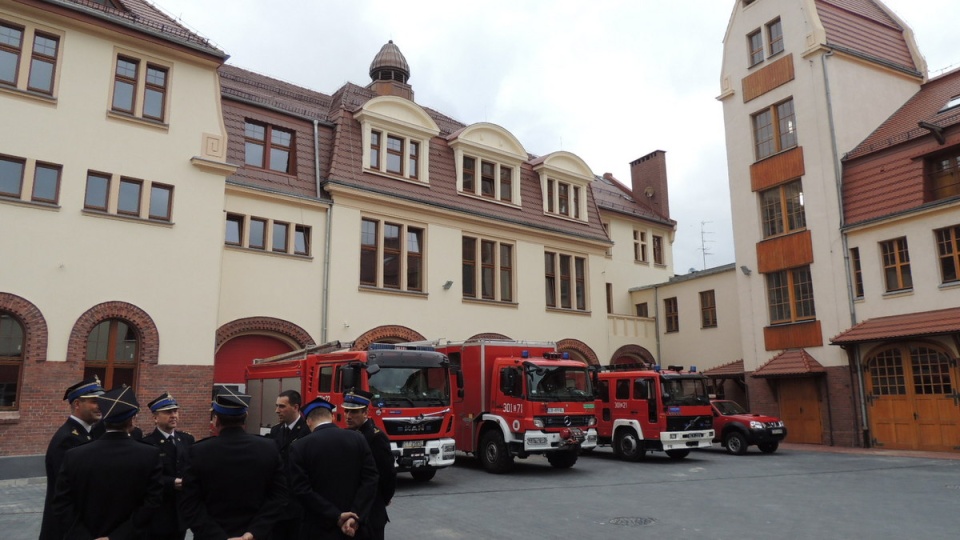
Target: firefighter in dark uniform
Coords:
[[290, 426], [111, 487], [84, 413], [234, 485], [173, 445], [356, 407], [333, 475]]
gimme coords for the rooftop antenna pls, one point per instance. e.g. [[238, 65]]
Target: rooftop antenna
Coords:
[[703, 242]]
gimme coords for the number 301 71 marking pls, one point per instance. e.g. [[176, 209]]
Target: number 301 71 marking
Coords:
[[620, 405], [513, 408]]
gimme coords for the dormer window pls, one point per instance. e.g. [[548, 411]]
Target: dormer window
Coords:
[[564, 179], [396, 134], [488, 160]]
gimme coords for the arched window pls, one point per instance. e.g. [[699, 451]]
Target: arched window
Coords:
[[113, 352], [11, 360]]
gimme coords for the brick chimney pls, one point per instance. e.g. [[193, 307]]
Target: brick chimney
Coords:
[[648, 176]]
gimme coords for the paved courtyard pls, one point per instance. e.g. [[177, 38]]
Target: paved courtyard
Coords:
[[797, 493]]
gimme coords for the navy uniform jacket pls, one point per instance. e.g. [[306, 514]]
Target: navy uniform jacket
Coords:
[[386, 467], [234, 483], [284, 440], [109, 487], [332, 471], [173, 458], [70, 435]]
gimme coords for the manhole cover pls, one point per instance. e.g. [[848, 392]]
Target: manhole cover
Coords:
[[631, 521]]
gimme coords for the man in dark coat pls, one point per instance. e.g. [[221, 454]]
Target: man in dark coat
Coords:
[[234, 485], [333, 475], [109, 488], [355, 408], [290, 426], [84, 413], [173, 445]]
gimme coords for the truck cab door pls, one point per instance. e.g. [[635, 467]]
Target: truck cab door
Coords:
[[508, 399]]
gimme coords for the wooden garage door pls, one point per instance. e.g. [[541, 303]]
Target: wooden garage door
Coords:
[[800, 410], [912, 401]]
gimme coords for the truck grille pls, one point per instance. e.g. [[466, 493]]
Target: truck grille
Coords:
[[565, 421], [689, 423], [412, 426]]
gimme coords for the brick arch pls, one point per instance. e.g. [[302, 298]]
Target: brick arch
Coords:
[[386, 334], [631, 354], [146, 329], [581, 350], [35, 333], [294, 335], [489, 335]]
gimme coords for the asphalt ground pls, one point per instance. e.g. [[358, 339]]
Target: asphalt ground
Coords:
[[801, 491]]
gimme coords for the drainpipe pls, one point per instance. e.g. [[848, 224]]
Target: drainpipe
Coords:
[[845, 242], [656, 320], [324, 301]]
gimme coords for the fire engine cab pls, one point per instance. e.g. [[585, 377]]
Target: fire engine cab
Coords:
[[410, 387], [643, 409]]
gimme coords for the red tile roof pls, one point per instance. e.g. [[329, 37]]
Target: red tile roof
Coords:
[[145, 17], [926, 105], [909, 325], [254, 88], [726, 370], [791, 363], [864, 29], [613, 196]]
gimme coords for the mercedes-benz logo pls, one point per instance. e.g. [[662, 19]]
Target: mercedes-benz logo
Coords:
[[567, 422]]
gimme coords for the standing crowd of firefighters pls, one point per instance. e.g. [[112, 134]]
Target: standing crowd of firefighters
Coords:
[[306, 479]]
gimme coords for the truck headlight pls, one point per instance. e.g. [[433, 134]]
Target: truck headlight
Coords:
[[756, 425], [538, 422], [592, 421]]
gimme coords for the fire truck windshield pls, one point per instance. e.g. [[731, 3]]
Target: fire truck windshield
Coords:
[[558, 384], [684, 391], [411, 386]]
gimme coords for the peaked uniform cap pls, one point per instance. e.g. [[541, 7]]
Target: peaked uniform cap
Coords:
[[358, 399], [317, 403], [163, 403], [88, 388], [229, 403], [118, 405]]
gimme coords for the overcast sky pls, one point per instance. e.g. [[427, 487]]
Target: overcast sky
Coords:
[[610, 81]]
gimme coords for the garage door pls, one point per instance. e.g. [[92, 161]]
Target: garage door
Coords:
[[912, 400], [800, 410]]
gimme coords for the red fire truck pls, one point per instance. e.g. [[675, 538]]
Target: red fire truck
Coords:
[[521, 398], [653, 410], [410, 385]]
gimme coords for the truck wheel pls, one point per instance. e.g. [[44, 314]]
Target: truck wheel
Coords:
[[494, 455], [769, 448], [423, 475], [563, 459], [628, 446], [678, 454], [735, 442]]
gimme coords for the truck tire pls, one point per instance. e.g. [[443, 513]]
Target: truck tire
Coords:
[[563, 459], [628, 446], [678, 454], [769, 448], [423, 475], [735, 442], [494, 455]]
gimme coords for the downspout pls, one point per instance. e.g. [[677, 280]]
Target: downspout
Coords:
[[325, 298], [845, 245], [656, 320]]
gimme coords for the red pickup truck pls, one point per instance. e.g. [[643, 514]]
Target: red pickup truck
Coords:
[[736, 429]]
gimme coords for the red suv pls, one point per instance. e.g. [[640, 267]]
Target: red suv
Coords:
[[736, 429]]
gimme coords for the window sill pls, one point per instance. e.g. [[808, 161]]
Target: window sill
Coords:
[[508, 204], [564, 217], [124, 117], [29, 94], [297, 256], [775, 154], [397, 292], [9, 417], [30, 204], [392, 176], [129, 219], [659, 265], [898, 293], [568, 311], [949, 285], [641, 263], [487, 302]]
